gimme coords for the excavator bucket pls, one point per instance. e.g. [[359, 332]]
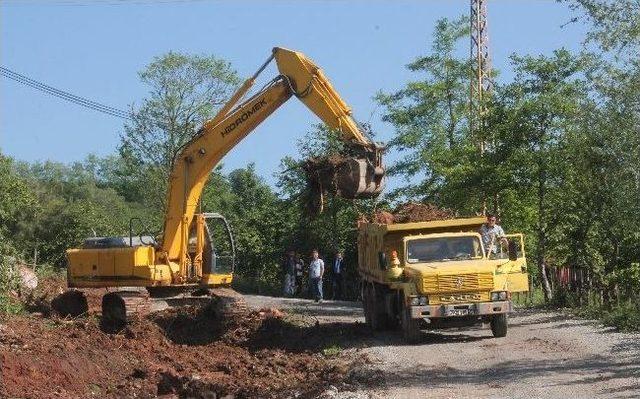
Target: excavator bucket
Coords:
[[348, 176], [357, 178]]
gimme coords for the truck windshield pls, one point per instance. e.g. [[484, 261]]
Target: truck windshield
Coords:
[[443, 249]]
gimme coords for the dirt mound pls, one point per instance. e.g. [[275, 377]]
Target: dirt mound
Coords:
[[383, 217], [181, 352], [412, 212]]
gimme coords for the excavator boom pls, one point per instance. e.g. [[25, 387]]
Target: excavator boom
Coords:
[[186, 257], [361, 176]]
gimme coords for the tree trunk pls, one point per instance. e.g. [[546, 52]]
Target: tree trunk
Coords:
[[542, 236], [544, 280]]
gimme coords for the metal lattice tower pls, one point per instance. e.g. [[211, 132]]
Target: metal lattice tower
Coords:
[[481, 83]]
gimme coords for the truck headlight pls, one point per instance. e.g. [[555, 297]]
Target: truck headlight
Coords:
[[499, 296], [419, 301]]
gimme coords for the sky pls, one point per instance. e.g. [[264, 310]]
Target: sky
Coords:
[[94, 48]]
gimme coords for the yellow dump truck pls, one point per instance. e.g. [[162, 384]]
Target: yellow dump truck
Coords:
[[438, 274]]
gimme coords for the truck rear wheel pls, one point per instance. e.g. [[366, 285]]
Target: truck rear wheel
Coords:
[[374, 311], [499, 325], [410, 327], [370, 309]]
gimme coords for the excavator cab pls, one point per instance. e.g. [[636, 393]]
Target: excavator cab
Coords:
[[211, 250]]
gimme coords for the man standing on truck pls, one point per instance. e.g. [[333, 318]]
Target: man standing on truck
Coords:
[[492, 235], [316, 272]]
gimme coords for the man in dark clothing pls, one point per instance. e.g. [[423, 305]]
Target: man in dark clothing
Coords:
[[289, 271], [299, 276], [337, 272]]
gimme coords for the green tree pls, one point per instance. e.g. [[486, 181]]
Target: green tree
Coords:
[[615, 24], [253, 210], [538, 112], [71, 206], [185, 91], [333, 229], [18, 203], [430, 117]]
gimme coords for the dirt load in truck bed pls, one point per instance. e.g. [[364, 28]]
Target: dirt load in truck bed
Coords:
[[413, 212]]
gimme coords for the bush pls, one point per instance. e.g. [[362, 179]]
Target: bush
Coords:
[[624, 317], [532, 299], [9, 304]]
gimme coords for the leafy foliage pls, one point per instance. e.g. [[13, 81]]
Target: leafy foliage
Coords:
[[431, 120], [560, 165], [562, 148], [185, 91]]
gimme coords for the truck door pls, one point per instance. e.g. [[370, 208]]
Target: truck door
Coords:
[[511, 274]]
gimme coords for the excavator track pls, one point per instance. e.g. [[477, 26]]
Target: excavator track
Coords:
[[228, 303], [118, 307], [71, 303]]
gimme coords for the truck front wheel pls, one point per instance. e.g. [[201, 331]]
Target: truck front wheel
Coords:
[[499, 325]]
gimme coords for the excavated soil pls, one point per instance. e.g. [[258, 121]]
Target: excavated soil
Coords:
[[183, 352], [413, 212]]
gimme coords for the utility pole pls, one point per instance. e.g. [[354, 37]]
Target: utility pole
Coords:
[[481, 85]]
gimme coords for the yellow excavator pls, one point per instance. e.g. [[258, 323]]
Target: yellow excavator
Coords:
[[187, 258]]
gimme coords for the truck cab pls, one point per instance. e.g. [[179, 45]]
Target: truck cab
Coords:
[[438, 274]]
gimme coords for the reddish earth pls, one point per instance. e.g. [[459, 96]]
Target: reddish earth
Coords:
[[413, 212], [175, 353]]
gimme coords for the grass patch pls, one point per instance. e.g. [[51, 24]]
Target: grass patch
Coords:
[[531, 299], [624, 316], [332, 350], [589, 312], [250, 285], [47, 271], [9, 305]]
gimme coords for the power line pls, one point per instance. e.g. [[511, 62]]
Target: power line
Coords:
[[84, 102], [84, 3]]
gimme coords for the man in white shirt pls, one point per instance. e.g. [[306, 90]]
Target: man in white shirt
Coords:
[[316, 271], [492, 235]]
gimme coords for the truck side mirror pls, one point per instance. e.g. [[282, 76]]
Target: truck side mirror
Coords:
[[383, 262], [513, 250]]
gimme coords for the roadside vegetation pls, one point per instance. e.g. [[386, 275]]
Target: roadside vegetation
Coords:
[[561, 165]]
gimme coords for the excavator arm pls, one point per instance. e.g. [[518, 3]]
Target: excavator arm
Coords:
[[186, 261], [358, 176]]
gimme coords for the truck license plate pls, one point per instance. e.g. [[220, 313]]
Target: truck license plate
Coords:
[[458, 312]]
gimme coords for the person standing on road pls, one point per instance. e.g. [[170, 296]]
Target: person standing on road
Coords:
[[337, 274], [289, 269], [316, 272], [299, 275], [492, 235]]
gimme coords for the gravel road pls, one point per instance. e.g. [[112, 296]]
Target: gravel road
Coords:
[[545, 355]]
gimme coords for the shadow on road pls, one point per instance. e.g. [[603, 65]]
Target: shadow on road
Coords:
[[583, 371]]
